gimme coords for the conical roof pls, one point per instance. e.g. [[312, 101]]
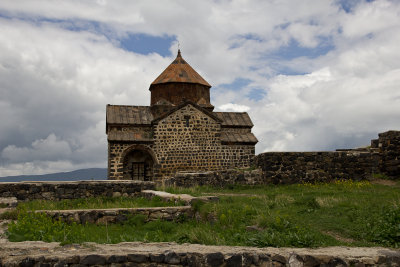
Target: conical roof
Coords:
[[179, 71]]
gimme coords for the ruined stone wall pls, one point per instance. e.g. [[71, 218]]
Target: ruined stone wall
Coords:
[[72, 190], [115, 159], [187, 139], [297, 167], [215, 178], [389, 149]]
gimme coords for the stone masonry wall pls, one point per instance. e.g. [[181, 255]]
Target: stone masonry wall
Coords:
[[297, 167], [389, 149], [187, 139], [118, 215], [72, 190], [237, 156], [215, 178]]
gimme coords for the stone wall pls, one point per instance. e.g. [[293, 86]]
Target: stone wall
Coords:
[[297, 167], [72, 190], [119, 215], [187, 139], [215, 178], [116, 152], [172, 254], [389, 149], [237, 156]]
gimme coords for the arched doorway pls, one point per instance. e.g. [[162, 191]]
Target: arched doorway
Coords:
[[138, 164]]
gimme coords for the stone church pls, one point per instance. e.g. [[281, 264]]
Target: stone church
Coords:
[[178, 132]]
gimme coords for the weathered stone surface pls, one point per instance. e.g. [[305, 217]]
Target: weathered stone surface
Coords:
[[9, 202], [71, 190], [138, 258], [164, 254], [216, 178], [93, 260], [298, 167], [188, 199], [389, 149], [106, 216], [215, 259]]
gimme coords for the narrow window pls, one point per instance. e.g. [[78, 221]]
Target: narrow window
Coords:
[[187, 117]]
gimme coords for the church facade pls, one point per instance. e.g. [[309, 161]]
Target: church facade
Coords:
[[179, 131]]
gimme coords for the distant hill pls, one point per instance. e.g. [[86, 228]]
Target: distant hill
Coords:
[[83, 174]]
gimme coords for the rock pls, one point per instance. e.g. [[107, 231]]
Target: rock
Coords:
[[337, 262], [138, 258], [295, 261], [310, 261], [117, 259], [93, 260], [159, 258], [215, 259], [279, 258], [234, 261], [116, 194], [172, 258], [27, 262]]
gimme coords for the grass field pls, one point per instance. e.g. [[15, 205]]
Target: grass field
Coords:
[[97, 203], [341, 213]]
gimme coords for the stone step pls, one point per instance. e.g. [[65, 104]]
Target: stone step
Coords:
[[188, 199]]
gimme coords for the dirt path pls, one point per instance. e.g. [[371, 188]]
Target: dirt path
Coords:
[[385, 182]]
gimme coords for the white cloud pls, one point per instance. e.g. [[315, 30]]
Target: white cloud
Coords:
[[234, 107]]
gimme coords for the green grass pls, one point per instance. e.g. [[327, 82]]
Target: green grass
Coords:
[[341, 213], [97, 203]]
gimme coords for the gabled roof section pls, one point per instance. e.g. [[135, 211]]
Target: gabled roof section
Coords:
[[208, 113], [234, 119], [132, 115], [242, 138], [179, 71]]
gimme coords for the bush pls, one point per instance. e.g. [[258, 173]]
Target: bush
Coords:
[[386, 230]]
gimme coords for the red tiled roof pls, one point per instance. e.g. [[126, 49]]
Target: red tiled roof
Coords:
[[180, 71]]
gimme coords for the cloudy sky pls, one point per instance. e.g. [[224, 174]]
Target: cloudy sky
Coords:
[[312, 74]]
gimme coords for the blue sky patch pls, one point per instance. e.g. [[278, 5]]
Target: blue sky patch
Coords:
[[237, 84], [348, 5], [294, 50], [256, 94], [146, 44]]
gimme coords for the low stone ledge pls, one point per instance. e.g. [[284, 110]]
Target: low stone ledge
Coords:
[[118, 215], [72, 190], [188, 199], [166, 254]]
